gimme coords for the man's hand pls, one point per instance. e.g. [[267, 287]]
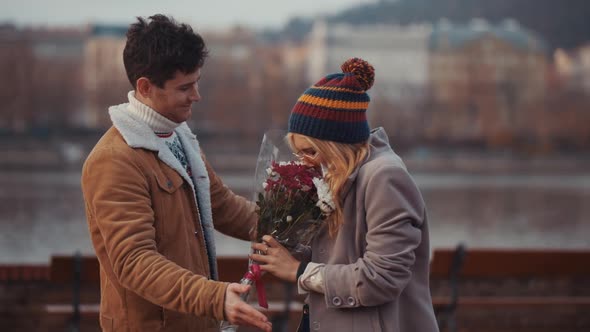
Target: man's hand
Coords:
[[238, 312]]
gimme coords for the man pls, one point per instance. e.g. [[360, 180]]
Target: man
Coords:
[[152, 200]]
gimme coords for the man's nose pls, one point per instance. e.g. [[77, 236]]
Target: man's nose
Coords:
[[195, 96]]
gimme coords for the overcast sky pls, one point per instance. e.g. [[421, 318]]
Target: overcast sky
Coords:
[[202, 14]]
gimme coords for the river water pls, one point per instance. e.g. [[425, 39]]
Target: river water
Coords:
[[42, 213]]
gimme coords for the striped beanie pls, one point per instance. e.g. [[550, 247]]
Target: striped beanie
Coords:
[[334, 109]]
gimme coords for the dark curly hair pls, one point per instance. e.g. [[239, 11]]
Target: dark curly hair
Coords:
[[159, 48]]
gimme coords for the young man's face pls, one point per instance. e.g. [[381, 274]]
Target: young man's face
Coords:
[[174, 101]]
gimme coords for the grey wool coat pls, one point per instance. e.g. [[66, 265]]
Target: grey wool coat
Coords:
[[376, 276]]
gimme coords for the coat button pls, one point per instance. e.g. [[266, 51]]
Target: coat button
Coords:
[[337, 301], [351, 301], [169, 183], [316, 326]]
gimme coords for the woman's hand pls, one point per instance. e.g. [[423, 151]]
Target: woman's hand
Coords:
[[275, 259]]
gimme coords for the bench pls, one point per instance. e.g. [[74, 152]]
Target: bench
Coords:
[[457, 267], [23, 273], [446, 264], [80, 272], [467, 267]]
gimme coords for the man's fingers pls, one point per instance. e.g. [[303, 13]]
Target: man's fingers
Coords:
[[238, 288], [242, 288], [264, 326], [241, 313], [253, 317]]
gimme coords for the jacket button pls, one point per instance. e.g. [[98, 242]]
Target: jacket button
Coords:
[[316, 326], [169, 184], [351, 301], [196, 233], [337, 301]]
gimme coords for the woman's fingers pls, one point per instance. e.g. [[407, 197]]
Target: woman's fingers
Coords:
[[260, 247], [274, 258], [265, 259], [271, 241]]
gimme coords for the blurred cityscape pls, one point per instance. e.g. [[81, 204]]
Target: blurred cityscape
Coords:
[[488, 102]]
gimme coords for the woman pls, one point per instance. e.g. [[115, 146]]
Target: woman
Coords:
[[369, 267]]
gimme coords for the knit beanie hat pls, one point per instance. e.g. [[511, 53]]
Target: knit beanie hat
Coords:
[[334, 109]]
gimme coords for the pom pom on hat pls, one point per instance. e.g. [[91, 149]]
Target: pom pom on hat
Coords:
[[364, 71], [334, 109]]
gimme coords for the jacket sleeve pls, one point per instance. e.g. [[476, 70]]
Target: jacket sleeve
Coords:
[[233, 215], [394, 215], [117, 195]]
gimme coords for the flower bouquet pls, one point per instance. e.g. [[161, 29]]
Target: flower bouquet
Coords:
[[291, 208], [293, 201]]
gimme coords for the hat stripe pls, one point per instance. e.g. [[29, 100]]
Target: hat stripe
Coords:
[[344, 132], [347, 81], [333, 103], [326, 113], [335, 108], [339, 89], [333, 84], [337, 95]]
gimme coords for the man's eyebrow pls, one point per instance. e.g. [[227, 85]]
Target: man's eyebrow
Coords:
[[188, 84]]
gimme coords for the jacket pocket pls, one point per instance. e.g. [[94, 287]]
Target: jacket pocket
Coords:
[[169, 181], [175, 321], [365, 319], [106, 324], [167, 204]]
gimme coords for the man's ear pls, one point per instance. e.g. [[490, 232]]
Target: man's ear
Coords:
[[144, 87]]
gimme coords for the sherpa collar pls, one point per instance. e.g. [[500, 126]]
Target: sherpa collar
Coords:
[[139, 135]]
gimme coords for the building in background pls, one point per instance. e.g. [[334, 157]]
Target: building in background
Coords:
[[490, 85], [42, 71], [105, 80], [15, 55], [400, 57], [573, 68], [248, 87], [484, 80], [565, 122]]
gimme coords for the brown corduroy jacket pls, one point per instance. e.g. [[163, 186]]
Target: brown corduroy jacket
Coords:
[[148, 225]]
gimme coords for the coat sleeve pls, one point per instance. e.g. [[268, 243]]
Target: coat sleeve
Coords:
[[117, 195], [394, 215], [233, 215]]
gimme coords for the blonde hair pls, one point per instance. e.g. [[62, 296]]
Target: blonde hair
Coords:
[[341, 160]]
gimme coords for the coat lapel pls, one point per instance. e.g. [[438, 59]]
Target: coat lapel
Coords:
[[137, 134], [202, 183]]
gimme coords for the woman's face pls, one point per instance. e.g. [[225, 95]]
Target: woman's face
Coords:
[[305, 152]]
